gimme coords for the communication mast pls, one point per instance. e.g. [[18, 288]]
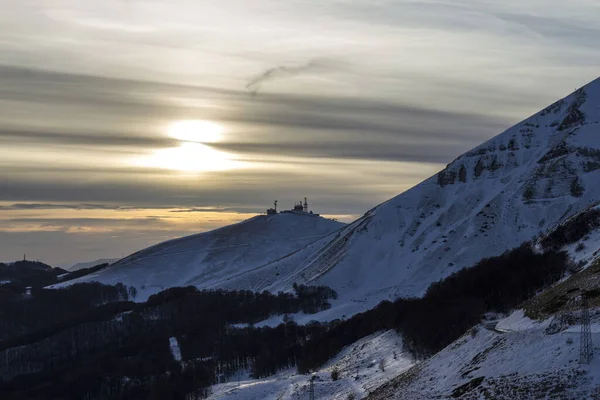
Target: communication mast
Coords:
[[305, 205], [586, 351], [272, 211]]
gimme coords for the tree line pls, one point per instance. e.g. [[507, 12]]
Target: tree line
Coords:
[[449, 308], [572, 230], [102, 346]]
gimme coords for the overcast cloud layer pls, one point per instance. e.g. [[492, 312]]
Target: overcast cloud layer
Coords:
[[345, 102]]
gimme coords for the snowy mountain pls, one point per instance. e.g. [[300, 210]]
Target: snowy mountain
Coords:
[[207, 259], [502, 358], [512, 357], [536, 181], [515, 360], [513, 187], [534, 353]]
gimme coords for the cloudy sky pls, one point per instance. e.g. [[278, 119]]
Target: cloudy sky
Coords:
[[124, 123]]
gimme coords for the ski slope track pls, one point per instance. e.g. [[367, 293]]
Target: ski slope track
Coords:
[[511, 188], [206, 259]]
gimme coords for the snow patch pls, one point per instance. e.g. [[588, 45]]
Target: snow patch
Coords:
[[175, 348], [518, 322]]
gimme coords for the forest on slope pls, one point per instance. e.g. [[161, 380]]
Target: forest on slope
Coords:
[[449, 308], [99, 345], [90, 341]]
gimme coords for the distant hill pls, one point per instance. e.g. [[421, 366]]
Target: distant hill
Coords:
[[37, 274], [29, 273], [90, 264], [211, 258]]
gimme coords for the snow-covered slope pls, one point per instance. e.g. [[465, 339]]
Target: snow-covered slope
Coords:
[[518, 357], [520, 363], [490, 199], [512, 358], [206, 259], [363, 367]]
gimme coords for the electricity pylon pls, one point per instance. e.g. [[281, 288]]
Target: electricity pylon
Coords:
[[311, 393], [586, 350]]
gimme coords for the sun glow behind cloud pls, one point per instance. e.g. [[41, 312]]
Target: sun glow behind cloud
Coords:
[[192, 155], [196, 131]]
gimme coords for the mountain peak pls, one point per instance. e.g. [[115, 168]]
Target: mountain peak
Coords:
[[490, 199]]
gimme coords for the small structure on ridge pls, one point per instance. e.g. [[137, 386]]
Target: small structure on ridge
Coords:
[[300, 208]]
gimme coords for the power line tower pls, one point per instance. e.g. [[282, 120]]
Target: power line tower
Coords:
[[311, 392], [586, 351]]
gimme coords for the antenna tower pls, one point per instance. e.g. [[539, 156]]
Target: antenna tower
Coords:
[[275, 206], [586, 350], [305, 205]]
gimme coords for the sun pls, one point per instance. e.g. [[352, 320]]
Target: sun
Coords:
[[193, 154], [196, 131], [193, 158]]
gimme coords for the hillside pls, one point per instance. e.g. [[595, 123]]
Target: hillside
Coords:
[[511, 358], [513, 187], [519, 362], [535, 351], [359, 367], [206, 259], [517, 357]]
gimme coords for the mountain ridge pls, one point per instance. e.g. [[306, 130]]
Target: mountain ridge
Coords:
[[494, 197]]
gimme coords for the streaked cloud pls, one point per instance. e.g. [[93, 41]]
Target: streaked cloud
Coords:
[[284, 71]]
